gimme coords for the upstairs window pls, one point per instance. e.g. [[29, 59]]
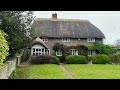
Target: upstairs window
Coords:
[[66, 39], [45, 39], [90, 39]]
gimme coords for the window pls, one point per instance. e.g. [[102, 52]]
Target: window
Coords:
[[45, 39], [90, 39], [59, 53], [37, 51], [91, 52], [74, 52], [66, 39], [47, 51]]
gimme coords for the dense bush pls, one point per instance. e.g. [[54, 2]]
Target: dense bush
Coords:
[[56, 60], [100, 59], [76, 59], [41, 59], [115, 58], [25, 55], [4, 48]]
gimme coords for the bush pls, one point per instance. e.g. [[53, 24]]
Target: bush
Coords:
[[41, 59], [4, 48], [25, 55], [100, 59], [115, 58], [76, 59], [56, 60]]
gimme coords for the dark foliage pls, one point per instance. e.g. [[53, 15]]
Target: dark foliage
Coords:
[[25, 55], [115, 58], [41, 59]]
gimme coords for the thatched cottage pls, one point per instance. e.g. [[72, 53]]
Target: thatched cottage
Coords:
[[66, 31]]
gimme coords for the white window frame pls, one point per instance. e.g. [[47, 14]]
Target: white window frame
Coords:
[[74, 51], [90, 39], [91, 52], [40, 51], [65, 39], [58, 53], [45, 39]]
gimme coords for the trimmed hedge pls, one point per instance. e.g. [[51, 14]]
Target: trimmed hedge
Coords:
[[76, 59], [56, 60], [100, 59], [115, 58], [41, 59]]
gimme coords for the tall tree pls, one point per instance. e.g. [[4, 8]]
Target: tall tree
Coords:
[[17, 25]]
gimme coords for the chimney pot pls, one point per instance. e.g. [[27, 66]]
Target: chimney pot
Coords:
[[54, 16]]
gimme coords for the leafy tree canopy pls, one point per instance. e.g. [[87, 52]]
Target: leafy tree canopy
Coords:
[[17, 25], [103, 49]]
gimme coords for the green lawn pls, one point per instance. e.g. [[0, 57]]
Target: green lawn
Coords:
[[44, 71], [88, 71], [79, 71]]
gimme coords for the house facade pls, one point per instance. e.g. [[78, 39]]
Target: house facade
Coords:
[[70, 32]]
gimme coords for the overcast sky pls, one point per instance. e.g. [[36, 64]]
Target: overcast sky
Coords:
[[107, 21]]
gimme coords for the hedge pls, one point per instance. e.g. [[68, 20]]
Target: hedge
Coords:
[[100, 59], [76, 59]]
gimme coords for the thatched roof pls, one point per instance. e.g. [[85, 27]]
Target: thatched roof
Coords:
[[39, 41], [74, 28]]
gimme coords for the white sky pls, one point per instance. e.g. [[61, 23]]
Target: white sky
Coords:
[[107, 21]]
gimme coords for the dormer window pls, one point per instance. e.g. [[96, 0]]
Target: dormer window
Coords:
[[66, 39], [90, 39], [45, 39]]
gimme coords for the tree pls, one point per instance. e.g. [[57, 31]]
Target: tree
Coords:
[[103, 49], [118, 43], [17, 25], [3, 47]]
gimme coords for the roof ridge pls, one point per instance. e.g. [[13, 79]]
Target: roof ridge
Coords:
[[60, 19]]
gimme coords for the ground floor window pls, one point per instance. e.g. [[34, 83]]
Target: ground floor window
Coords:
[[40, 51], [47, 51], [58, 53], [91, 52], [74, 51]]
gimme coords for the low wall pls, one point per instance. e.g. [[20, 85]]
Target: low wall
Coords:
[[8, 67]]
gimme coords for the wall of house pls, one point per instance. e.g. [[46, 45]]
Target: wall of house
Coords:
[[73, 42]]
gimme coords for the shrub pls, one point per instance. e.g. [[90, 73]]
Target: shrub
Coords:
[[100, 59], [76, 59], [25, 55], [115, 58], [41, 59], [56, 60], [4, 48]]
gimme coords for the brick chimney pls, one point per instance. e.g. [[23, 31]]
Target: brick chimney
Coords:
[[54, 16]]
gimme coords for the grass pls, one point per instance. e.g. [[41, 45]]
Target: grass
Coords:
[[94, 71], [118, 52], [43, 71]]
